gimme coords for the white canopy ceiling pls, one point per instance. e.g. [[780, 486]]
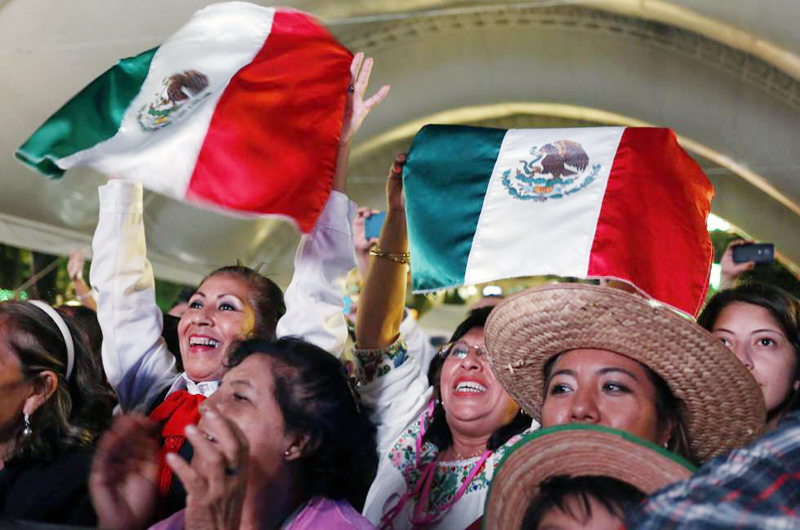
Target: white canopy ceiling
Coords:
[[724, 75]]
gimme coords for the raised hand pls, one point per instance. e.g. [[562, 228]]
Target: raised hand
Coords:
[[124, 474], [395, 196], [216, 480], [357, 107], [75, 265], [730, 269]]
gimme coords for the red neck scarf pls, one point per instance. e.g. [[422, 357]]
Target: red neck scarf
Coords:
[[176, 412]]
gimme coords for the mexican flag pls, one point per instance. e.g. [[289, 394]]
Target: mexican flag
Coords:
[[604, 202], [240, 110]]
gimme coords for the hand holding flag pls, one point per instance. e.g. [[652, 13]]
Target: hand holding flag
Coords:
[[240, 110], [607, 202]]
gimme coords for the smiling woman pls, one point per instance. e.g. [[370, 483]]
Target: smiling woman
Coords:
[[438, 441], [437, 455], [231, 304], [282, 444]]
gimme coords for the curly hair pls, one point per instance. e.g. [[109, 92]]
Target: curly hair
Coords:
[[316, 397], [80, 409], [265, 297]]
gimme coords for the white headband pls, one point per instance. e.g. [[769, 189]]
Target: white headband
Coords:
[[62, 326]]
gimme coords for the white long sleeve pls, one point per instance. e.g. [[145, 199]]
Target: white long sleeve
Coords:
[[396, 389], [314, 303], [137, 362], [135, 356]]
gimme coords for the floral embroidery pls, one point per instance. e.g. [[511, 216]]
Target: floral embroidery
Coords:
[[449, 475], [378, 363]]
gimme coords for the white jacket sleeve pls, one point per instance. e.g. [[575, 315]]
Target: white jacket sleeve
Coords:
[[135, 356], [314, 303], [395, 387]]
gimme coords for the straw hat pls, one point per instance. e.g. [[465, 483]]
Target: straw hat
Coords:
[[575, 450], [722, 405]]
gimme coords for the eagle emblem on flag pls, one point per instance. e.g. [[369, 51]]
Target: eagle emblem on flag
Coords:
[[557, 170], [180, 93]]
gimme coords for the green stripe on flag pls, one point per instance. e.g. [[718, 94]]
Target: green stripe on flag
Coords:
[[92, 116], [445, 180]]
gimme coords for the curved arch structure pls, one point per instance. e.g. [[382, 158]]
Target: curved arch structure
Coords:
[[724, 75]]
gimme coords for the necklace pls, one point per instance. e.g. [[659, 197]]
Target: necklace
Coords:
[[422, 491], [476, 454]]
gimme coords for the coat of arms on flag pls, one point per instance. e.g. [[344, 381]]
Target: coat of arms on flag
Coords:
[[180, 94], [240, 110], [557, 169], [596, 202]]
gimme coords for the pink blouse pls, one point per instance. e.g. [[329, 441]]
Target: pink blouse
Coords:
[[319, 512]]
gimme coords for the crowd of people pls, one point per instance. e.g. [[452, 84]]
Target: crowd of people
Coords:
[[568, 405]]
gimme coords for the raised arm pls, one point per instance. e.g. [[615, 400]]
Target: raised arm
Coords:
[[314, 303], [383, 298], [83, 292], [395, 386], [135, 357]]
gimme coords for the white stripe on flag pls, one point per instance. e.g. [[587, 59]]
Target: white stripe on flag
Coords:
[[517, 237], [217, 41]]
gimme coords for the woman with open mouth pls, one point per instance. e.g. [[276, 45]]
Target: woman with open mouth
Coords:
[[282, 444], [231, 304], [438, 441]]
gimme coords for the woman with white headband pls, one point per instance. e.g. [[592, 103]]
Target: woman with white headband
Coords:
[[54, 401]]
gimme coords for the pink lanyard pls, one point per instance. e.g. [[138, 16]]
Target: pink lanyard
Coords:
[[425, 482]]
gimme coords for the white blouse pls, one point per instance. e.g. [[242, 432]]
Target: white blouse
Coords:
[[135, 356], [397, 388]]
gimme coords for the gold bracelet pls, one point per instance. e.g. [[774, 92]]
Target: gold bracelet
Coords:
[[403, 257]]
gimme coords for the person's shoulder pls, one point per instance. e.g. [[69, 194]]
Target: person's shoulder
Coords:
[[66, 459], [55, 489]]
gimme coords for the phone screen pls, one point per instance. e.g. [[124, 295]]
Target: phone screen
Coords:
[[374, 224]]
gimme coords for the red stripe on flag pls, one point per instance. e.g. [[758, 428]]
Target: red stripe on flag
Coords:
[[652, 226], [272, 143]]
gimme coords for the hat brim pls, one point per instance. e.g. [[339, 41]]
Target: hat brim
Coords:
[[722, 405], [575, 450]]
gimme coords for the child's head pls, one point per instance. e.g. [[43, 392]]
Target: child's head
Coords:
[[589, 502]]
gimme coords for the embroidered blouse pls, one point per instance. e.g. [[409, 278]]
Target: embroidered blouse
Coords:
[[394, 384]]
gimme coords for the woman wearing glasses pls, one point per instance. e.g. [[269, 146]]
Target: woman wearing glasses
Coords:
[[438, 441]]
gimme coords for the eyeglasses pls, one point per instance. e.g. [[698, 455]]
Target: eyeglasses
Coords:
[[460, 350]]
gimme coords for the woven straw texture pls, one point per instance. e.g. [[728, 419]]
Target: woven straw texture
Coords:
[[575, 452], [722, 404]]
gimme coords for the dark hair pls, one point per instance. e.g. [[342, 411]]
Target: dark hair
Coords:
[[184, 296], [80, 409], [315, 396], [438, 432], [613, 495], [86, 320], [265, 297], [669, 410], [783, 307]]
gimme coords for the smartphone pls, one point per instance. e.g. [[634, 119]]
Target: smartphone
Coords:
[[758, 252], [373, 225]]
